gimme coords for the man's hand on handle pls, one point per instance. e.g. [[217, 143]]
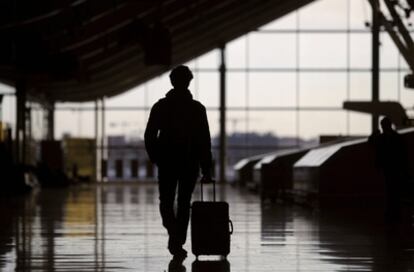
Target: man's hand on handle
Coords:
[[207, 179]]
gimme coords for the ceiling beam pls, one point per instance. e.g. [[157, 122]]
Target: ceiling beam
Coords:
[[207, 39]]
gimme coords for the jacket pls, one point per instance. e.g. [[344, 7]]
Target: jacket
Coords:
[[177, 133]]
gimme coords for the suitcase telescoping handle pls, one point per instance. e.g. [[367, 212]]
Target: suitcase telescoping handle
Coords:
[[214, 190]]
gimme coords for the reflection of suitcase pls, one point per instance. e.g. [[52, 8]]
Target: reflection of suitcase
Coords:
[[210, 266], [210, 227]]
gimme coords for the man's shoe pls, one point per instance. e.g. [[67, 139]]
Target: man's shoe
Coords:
[[176, 266], [180, 255]]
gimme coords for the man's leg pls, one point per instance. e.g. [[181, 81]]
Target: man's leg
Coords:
[[167, 185], [185, 190]]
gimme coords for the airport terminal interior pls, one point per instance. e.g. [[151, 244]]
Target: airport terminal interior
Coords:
[[310, 106]]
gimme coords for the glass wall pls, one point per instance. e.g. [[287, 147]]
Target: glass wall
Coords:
[[286, 83]]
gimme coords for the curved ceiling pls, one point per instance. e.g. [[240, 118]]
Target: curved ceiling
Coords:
[[80, 50]]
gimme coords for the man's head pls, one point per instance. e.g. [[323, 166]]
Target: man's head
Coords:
[[386, 125], [180, 77]]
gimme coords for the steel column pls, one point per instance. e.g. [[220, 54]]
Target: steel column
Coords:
[[103, 167], [223, 145], [97, 168], [376, 23], [20, 132], [51, 121]]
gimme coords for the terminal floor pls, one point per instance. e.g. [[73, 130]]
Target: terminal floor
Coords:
[[118, 228]]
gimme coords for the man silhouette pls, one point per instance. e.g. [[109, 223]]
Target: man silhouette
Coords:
[[392, 159], [177, 139]]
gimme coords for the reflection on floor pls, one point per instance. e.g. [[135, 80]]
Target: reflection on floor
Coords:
[[118, 228]]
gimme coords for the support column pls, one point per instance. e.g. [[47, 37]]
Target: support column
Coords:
[[1, 119], [51, 122], [20, 132], [223, 136], [104, 162], [97, 168], [27, 155], [1, 107], [376, 24]]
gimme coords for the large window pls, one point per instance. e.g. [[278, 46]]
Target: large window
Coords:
[[287, 79]]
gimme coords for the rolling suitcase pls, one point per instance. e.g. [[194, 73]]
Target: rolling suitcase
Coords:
[[210, 227]]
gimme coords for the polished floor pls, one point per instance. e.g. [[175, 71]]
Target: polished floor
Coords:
[[118, 228]]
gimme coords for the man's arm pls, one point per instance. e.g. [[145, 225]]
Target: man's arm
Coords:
[[151, 134], [206, 157]]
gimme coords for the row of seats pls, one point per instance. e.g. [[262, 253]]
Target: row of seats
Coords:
[[325, 173]]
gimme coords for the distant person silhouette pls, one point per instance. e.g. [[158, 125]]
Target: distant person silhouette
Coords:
[[177, 139], [392, 159]]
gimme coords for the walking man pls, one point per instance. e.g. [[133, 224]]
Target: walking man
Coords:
[[177, 140]]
